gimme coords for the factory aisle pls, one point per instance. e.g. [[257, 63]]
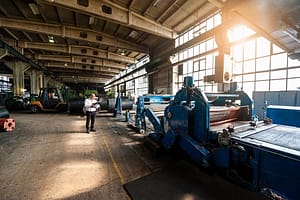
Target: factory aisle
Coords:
[[49, 156]]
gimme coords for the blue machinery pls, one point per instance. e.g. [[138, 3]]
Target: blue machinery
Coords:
[[220, 131], [157, 104]]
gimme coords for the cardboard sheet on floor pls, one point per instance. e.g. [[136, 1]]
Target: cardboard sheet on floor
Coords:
[[185, 181]]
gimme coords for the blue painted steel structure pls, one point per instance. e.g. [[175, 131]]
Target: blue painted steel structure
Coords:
[[258, 155], [286, 115], [141, 111]]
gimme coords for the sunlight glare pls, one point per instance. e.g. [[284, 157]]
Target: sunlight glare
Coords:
[[239, 32]]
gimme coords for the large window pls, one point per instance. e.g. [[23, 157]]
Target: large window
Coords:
[[257, 63]]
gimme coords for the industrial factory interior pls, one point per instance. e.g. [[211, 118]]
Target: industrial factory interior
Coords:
[[149, 99]]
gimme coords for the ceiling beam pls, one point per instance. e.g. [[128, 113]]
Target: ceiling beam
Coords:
[[27, 36], [149, 7], [76, 79], [216, 3], [80, 73], [78, 50], [87, 35], [113, 12], [105, 70], [80, 60], [11, 34], [193, 13], [174, 14], [166, 11], [131, 4]]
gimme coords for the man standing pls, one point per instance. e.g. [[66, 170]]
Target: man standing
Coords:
[[91, 106]]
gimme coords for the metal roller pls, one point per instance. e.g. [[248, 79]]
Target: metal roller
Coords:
[[111, 105], [126, 104]]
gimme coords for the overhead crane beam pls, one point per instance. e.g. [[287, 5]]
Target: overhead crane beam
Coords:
[[87, 35], [115, 13]]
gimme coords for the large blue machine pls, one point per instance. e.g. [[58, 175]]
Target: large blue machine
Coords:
[[221, 131]]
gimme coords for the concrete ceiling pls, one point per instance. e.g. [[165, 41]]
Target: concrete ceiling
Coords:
[[96, 39]]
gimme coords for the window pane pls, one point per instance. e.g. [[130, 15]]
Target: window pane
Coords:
[[293, 62], [196, 76], [262, 47], [209, 44], [180, 56], [190, 52], [180, 40], [262, 86], [185, 37], [210, 23], [202, 47], [249, 66], [262, 76], [190, 66], [218, 19], [191, 35], [263, 64], [238, 78], [196, 50], [294, 73], [185, 68], [276, 49], [201, 74], [209, 61], [249, 50], [278, 74], [248, 77], [293, 84], [202, 64], [237, 53], [279, 61], [196, 66], [238, 68], [277, 85], [176, 42]]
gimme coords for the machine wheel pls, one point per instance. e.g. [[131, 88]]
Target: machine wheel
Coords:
[[35, 109]]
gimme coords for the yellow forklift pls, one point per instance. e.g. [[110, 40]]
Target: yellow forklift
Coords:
[[49, 99]]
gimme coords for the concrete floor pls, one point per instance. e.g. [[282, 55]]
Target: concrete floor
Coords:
[[49, 156]]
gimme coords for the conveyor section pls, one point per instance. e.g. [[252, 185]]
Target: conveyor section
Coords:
[[284, 136]]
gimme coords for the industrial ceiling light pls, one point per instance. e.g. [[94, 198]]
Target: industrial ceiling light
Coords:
[[51, 39], [91, 20], [34, 8], [133, 34]]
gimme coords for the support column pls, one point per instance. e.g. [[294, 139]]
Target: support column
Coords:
[[18, 69], [46, 80], [35, 81]]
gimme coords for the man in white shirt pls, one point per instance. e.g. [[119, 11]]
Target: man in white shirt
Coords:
[[91, 106]]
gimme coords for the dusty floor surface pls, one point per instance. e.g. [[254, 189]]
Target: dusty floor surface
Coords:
[[49, 156]]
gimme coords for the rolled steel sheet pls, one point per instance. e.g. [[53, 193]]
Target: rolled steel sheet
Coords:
[[111, 105], [126, 104], [76, 104], [220, 114]]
